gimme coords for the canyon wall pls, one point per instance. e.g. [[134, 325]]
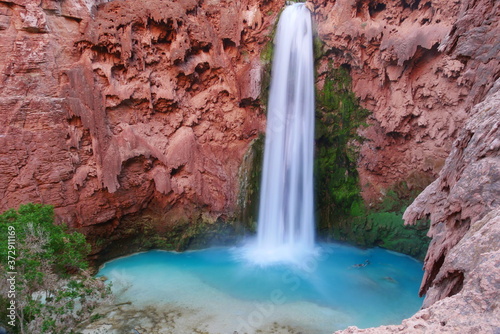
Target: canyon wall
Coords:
[[119, 110], [428, 71], [419, 67], [118, 113], [462, 267]]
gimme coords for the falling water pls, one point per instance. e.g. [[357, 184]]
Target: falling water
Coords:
[[286, 221]]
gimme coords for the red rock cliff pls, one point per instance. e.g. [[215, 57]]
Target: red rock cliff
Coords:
[[419, 66], [462, 267], [111, 108], [429, 72]]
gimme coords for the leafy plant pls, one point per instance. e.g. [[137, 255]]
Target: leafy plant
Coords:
[[53, 291]]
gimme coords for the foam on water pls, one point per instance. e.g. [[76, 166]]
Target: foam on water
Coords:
[[338, 287]]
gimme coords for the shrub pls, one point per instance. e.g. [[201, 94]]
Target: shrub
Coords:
[[53, 290]]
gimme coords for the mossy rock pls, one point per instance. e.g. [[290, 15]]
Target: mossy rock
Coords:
[[250, 175], [145, 232], [341, 212], [338, 116]]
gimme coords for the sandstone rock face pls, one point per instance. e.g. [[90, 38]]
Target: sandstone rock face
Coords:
[[462, 267], [114, 107], [419, 66], [423, 68], [467, 189]]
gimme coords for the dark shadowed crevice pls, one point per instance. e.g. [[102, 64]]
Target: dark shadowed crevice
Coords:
[[456, 280], [176, 171], [433, 273]]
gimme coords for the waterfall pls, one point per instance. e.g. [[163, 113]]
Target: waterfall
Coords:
[[286, 220]]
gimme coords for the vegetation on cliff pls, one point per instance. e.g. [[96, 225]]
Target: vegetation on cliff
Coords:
[[341, 212], [44, 283], [250, 178]]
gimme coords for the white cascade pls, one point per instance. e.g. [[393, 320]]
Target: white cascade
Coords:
[[286, 219]]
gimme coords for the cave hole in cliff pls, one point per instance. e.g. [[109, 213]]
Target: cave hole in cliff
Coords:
[[228, 44], [118, 72], [433, 272], [397, 137], [411, 4], [193, 11], [186, 82], [242, 36], [202, 67], [346, 66], [230, 47], [456, 279], [161, 31], [101, 53], [197, 48], [163, 105], [176, 171], [375, 7], [360, 5], [248, 102]]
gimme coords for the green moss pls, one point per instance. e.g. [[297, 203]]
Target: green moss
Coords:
[[341, 212], [382, 225], [197, 235], [250, 176], [149, 230], [266, 58], [317, 47], [338, 116]]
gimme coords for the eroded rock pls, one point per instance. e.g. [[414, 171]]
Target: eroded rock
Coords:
[[111, 108], [419, 67], [462, 267]]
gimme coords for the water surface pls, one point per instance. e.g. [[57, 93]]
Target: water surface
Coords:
[[338, 287]]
